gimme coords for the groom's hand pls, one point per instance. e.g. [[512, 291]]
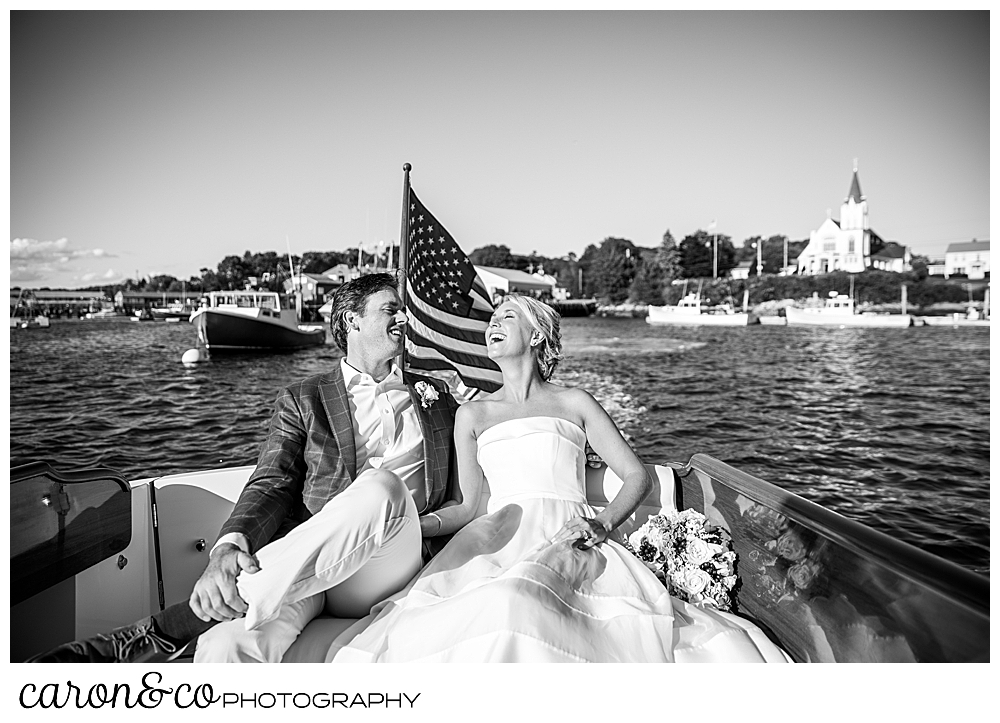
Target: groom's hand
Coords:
[[594, 460], [215, 596]]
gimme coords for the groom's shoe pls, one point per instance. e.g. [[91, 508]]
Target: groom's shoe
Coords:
[[139, 642]]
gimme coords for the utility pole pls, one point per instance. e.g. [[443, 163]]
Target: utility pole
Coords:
[[715, 256]]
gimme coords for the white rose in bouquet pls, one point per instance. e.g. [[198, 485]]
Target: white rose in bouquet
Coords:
[[697, 551], [690, 580]]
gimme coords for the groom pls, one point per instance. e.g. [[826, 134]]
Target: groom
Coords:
[[329, 518]]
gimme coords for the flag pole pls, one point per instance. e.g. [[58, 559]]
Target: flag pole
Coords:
[[404, 237]]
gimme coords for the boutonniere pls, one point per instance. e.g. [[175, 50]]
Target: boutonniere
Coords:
[[428, 394]]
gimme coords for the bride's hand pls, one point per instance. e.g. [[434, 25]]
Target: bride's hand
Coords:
[[585, 530]]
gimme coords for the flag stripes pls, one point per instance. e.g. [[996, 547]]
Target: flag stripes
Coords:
[[470, 343], [448, 308]]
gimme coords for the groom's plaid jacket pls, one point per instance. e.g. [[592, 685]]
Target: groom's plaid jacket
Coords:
[[309, 457]]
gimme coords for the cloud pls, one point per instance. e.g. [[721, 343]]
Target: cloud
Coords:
[[34, 260], [58, 251], [29, 248], [110, 274]]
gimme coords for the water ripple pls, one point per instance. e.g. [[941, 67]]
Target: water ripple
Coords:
[[887, 427]]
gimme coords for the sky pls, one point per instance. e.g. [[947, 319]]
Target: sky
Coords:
[[146, 143]]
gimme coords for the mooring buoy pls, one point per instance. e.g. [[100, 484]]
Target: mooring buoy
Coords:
[[194, 356]]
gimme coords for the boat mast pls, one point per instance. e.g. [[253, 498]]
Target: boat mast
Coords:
[[291, 272]]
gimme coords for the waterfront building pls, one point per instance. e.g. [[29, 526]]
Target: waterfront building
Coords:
[[892, 257], [935, 267], [129, 301], [62, 302], [970, 259], [314, 287], [742, 270], [342, 273], [502, 281], [846, 244]]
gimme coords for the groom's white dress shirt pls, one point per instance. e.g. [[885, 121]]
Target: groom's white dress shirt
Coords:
[[386, 433]]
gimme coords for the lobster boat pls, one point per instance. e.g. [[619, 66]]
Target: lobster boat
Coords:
[[236, 321], [91, 551], [689, 311], [839, 310]]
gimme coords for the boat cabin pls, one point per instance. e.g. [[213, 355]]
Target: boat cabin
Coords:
[[270, 303], [840, 303]]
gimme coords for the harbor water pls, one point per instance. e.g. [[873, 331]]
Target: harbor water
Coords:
[[889, 427]]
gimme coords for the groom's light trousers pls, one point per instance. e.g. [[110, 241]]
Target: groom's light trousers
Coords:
[[362, 547]]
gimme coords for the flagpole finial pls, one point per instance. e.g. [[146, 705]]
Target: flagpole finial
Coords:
[[407, 167]]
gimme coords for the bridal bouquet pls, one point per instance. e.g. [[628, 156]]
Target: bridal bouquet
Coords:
[[694, 559]]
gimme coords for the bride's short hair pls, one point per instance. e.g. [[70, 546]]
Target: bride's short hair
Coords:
[[545, 320]]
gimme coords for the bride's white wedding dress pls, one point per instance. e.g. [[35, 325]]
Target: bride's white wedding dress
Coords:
[[499, 591]]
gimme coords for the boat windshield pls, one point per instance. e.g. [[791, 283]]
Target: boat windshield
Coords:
[[246, 301]]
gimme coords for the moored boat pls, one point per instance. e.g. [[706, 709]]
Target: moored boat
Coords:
[[839, 310], [105, 312], [252, 320], [690, 311], [27, 313], [91, 551], [772, 320], [181, 311]]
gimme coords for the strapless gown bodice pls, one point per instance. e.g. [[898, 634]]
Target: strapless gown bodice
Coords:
[[501, 591], [538, 457]]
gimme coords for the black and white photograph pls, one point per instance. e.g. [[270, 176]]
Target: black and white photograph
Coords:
[[468, 335]]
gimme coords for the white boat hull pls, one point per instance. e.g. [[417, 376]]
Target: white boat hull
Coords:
[[773, 320], [821, 317], [685, 317], [953, 321]]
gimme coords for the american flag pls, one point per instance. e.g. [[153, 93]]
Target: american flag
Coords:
[[448, 309]]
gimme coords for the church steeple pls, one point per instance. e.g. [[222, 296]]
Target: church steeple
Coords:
[[854, 210], [855, 192]]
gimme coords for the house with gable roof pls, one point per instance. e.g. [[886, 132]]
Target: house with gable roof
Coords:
[[971, 259]]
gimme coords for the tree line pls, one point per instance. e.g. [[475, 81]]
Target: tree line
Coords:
[[614, 271]]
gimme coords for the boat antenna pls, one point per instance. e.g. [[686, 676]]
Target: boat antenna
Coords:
[[404, 235], [291, 266]]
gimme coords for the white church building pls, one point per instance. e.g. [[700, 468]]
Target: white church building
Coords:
[[846, 245]]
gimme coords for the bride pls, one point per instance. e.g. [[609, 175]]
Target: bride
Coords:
[[540, 577]]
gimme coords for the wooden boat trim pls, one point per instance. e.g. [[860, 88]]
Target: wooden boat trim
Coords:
[[919, 566]]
